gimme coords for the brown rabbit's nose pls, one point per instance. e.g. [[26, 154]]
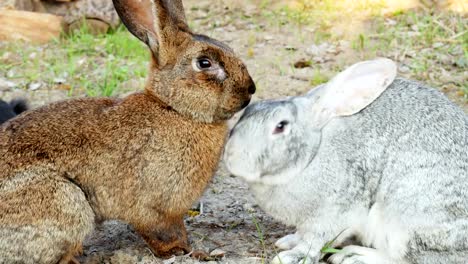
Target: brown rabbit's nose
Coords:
[[246, 103], [252, 88]]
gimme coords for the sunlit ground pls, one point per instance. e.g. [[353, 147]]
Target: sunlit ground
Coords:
[[428, 39]]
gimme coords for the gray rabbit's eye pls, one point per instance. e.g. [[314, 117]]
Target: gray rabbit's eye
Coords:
[[280, 127]]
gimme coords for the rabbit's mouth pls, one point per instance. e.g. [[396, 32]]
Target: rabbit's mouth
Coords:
[[245, 104], [227, 113]]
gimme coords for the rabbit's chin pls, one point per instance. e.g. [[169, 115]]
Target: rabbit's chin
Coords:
[[248, 177], [276, 179], [258, 179]]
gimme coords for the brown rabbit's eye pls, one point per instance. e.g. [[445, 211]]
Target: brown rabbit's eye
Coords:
[[280, 127], [204, 63]]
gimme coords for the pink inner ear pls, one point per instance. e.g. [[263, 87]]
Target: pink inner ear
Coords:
[[355, 100], [137, 16], [353, 89]]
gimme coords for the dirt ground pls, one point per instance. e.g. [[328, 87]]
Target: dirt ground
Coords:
[[230, 221]]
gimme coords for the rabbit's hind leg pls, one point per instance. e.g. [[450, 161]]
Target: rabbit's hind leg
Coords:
[[42, 219], [288, 241], [69, 257], [166, 238], [440, 244], [361, 255], [437, 257]]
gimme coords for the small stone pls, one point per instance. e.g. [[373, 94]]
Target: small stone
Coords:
[[302, 63], [34, 86], [461, 62], [456, 51], [169, 261], [390, 22], [11, 74], [317, 50], [413, 33], [253, 250], [63, 87], [404, 69], [6, 56], [6, 85], [444, 59], [200, 255], [268, 37], [81, 61], [251, 26], [318, 59], [437, 45], [217, 253], [59, 80], [332, 50], [426, 51]]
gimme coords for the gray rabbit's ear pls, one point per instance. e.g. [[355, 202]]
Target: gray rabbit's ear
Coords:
[[157, 23], [353, 89]]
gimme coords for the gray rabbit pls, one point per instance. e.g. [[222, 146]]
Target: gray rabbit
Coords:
[[368, 158]]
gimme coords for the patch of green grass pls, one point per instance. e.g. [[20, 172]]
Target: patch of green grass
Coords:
[[360, 42], [327, 248], [89, 64], [120, 57], [321, 12], [318, 78], [428, 42], [260, 237]]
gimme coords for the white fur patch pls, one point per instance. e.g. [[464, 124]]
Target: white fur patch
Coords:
[[288, 241], [384, 232], [362, 255]]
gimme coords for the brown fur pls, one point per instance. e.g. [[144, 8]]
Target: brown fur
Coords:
[[143, 159]]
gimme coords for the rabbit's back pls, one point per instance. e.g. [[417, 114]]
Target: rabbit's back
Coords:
[[405, 155], [410, 147], [114, 148], [52, 132]]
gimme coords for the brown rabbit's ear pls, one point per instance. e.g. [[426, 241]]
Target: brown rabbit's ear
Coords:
[[155, 22]]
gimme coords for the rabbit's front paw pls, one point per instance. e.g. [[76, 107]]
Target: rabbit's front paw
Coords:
[[168, 241], [358, 255], [288, 241], [166, 249], [293, 257]]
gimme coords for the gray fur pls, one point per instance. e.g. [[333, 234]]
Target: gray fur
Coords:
[[395, 175]]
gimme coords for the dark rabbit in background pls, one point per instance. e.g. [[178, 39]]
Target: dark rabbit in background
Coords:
[[12, 109], [144, 159], [365, 158]]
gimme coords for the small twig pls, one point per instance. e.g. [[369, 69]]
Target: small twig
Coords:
[[444, 27], [449, 40], [459, 34], [205, 237]]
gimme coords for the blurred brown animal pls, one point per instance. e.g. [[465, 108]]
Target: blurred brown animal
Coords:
[[143, 159]]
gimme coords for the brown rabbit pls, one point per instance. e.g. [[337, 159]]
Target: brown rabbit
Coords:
[[143, 159]]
